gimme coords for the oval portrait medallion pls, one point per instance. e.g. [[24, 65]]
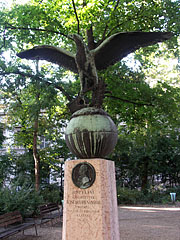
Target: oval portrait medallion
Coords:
[[83, 175]]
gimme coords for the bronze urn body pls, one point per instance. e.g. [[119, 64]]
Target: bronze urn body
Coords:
[[91, 133]]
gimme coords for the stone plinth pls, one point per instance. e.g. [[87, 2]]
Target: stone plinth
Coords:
[[91, 213]]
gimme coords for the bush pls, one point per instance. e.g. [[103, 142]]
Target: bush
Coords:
[[24, 199], [128, 196], [51, 193]]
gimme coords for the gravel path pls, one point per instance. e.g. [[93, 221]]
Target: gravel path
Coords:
[[136, 223], [149, 223]]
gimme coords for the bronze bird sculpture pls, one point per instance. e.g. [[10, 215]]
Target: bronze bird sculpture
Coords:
[[87, 62]]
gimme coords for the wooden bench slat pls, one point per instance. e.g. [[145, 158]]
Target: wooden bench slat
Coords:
[[51, 216], [8, 233], [47, 207], [10, 214], [12, 223], [47, 211]]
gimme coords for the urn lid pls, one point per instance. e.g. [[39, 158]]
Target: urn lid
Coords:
[[89, 111]]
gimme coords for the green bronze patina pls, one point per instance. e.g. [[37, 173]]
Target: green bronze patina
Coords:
[[91, 133]]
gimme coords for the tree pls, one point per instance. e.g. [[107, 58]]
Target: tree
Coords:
[[113, 16], [51, 22], [156, 157], [33, 109]]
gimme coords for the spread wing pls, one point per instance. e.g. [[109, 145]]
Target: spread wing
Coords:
[[52, 54], [119, 45]]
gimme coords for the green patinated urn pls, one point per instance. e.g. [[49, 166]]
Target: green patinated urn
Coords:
[[91, 133]]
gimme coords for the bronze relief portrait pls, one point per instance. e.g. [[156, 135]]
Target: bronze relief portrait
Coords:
[[83, 175]]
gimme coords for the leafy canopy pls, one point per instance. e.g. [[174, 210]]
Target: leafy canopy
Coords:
[[144, 109]]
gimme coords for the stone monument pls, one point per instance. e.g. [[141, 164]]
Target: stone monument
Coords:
[[90, 203]]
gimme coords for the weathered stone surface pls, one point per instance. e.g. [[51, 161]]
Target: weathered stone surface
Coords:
[[91, 214], [91, 133]]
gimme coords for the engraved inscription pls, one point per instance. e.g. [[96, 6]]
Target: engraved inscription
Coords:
[[85, 203]]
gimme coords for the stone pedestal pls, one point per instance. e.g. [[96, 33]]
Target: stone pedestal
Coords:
[[91, 213]]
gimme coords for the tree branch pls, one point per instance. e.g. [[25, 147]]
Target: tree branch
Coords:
[[116, 5], [57, 86], [137, 16], [9, 26], [106, 27], [129, 101], [120, 24], [74, 6]]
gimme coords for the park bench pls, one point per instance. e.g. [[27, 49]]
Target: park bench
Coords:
[[48, 212], [12, 223]]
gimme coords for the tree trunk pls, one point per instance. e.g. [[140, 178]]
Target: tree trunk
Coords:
[[91, 43], [36, 157], [144, 175], [35, 138]]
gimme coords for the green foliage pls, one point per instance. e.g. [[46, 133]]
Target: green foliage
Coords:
[[6, 168], [129, 196], [57, 18], [51, 194], [141, 158], [126, 196], [31, 102], [138, 104], [149, 114], [24, 199]]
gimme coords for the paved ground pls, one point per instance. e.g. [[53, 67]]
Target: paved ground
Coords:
[[136, 223], [149, 223]]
